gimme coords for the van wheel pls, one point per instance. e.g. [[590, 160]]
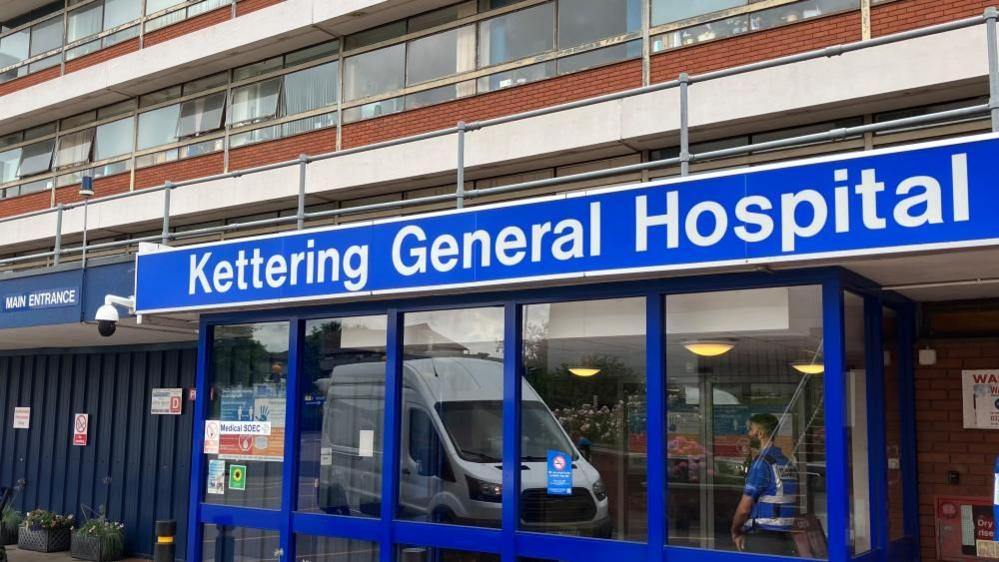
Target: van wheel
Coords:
[[442, 515]]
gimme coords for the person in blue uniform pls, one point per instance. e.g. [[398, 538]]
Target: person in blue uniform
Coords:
[[766, 513]]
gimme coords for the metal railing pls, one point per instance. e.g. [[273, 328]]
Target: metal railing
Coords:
[[461, 130]]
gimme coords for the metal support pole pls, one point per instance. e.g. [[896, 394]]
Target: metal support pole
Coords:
[[991, 14], [303, 161], [684, 127], [461, 165], [165, 236], [83, 251], [57, 251]]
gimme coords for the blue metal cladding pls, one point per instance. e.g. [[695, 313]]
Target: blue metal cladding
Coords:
[[135, 464]]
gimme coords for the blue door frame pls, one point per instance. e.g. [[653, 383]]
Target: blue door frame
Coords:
[[508, 541]]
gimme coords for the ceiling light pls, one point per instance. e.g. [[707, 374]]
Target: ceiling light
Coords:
[[584, 371], [809, 368], [712, 348]]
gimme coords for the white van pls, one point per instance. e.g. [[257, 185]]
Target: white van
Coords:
[[450, 448]]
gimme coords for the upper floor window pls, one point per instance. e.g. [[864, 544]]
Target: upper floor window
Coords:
[[517, 35], [586, 21], [668, 11], [375, 72]]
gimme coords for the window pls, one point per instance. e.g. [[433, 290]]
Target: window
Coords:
[[118, 12], [310, 89], [303, 56], [158, 127], [374, 73], [440, 95], [440, 55], [518, 35], [227, 543], [9, 162], [410, 553], [598, 57], [441, 16], [342, 408], [516, 77], [248, 383], [893, 423], [113, 139], [257, 69], [206, 83], [255, 102], [583, 415], [201, 115], [375, 35], [153, 6], [855, 379], [586, 21], [667, 11], [745, 430], [46, 36], [36, 158], [74, 148], [329, 549], [452, 427], [84, 22], [14, 47]]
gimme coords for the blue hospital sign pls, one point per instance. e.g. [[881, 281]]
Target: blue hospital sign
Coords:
[[921, 197]]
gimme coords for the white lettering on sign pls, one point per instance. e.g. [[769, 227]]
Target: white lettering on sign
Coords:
[[47, 298], [244, 428]]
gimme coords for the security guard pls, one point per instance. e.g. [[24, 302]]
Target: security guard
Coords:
[[766, 513]]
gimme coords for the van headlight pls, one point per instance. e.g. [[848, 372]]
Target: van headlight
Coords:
[[480, 490], [599, 490]]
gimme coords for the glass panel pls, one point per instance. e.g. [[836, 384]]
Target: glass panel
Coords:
[[376, 72], [452, 417], [113, 139], [747, 466], [308, 124], [440, 95], [14, 48], [117, 12], [161, 96], [116, 109], [254, 136], [666, 11], [331, 549], [310, 89], [248, 384], [84, 49], [206, 83], [257, 68], [855, 371], [77, 120], [598, 57], [440, 55], [893, 423], [39, 131], [46, 36], [201, 148], [201, 115], [74, 148], [516, 77], [372, 110], [153, 6], [9, 162], [225, 543], [11, 138], [583, 419], [405, 553], [311, 53], [47, 62], [255, 102], [84, 22], [118, 37], [158, 127], [586, 21], [518, 35], [441, 16], [36, 158], [375, 35], [342, 407]]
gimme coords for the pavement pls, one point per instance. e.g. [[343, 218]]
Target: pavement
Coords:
[[16, 555]]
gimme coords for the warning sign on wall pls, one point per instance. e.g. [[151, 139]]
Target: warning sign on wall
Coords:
[[81, 426], [980, 394], [166, 402], [22, 418]]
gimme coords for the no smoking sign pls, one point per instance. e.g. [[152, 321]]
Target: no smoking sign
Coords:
[[81, 426]]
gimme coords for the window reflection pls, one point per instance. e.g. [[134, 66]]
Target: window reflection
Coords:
[[745, 427], [330, 549], [584, 403], [855, 377], [406, 553], [893, 423], [452, 417]]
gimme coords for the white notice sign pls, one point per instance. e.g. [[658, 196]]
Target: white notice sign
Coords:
[[166, 402], [980, 394], [22, 418], [212, 439]]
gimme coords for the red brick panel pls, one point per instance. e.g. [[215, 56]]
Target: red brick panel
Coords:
[[943, 444], [103, 187], [504, 102], [755, 47], [25, 204], [98, 57], [187, 26], [317, 142], [903, 15], [178, 171], [247, 6], [29, 80]]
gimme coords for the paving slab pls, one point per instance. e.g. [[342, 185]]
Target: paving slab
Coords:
[[15, 554]]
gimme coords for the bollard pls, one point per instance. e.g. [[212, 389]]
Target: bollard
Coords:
[[165, 549]]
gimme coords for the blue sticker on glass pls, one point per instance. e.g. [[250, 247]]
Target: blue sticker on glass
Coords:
[[559, 473]]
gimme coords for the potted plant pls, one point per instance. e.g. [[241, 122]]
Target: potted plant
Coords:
[[44, 531], [98, 539], [10, 520]]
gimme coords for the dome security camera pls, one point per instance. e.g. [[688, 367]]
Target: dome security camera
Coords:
[[107, 320]]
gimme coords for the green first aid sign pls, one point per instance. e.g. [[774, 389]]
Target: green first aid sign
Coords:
[[237, 477]]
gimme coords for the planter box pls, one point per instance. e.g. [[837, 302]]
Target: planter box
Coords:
[[43, 540], [88, 548]]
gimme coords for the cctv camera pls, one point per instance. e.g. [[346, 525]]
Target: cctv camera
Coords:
[[107, 320]]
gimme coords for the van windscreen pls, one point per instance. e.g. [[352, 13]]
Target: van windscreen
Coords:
[[476, 430]]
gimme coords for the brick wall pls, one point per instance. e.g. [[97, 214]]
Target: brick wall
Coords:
[[943, 445], [25, 204], [179, 170], [247, 6], [29, 80], [755, 47], [903, 15], [187, 26], [103, 187], [317, 142], [98, 57]]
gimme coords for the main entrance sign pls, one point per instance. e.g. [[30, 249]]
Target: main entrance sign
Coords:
[[927, 196]]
